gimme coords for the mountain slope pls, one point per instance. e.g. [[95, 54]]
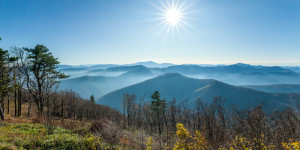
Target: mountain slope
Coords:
[[125, 68], [230, 69], [175, 85], [138, 72], [276, 88], [99, 85]]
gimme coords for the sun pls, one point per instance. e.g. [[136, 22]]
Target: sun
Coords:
[[173, 15]]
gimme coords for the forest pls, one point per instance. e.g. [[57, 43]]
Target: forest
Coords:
[[36, 115]]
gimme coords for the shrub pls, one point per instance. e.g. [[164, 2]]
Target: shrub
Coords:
[[186, 141], [200, 141], [183, 135], [149, 143], [293, 145], [243, 143], [107, 130]]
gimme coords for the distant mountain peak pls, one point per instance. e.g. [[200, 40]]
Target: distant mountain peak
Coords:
[[242, 65], [152, 64], [149, 62]]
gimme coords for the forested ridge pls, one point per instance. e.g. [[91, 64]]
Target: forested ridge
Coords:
[[36, 115]]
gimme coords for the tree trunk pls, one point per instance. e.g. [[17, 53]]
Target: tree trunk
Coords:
[[15, 97], [48, 107], [159, 127], [3, 106], [62, 110], [42, 107], [19, 102], [29, 107], [8, 104], [1, 112]]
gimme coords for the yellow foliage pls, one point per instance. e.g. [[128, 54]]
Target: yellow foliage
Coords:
[[242, 143], [294, 145], [184, 137], [183, 134], [200, 141], [262, 144], [149, 143]]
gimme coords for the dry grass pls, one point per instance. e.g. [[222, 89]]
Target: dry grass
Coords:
[[34, 118], [11, 118]]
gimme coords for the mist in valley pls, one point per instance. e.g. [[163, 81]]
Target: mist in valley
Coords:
[[99, 80]]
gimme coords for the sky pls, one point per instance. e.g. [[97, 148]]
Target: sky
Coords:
[[265, 32]]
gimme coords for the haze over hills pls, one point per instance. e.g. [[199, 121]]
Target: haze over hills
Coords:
[[231, 69], [151, 64], [146, 72], [276, 88], [293, 68], [101, 79], [99, 85], [174, 85]]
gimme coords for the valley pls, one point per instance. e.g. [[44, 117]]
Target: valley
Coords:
[[239, 84]]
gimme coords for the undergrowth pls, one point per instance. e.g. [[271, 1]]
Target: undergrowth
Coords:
[[36, 136]]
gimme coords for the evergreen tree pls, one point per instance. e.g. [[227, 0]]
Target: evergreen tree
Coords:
[[158, 107], [92, 98], [5, 77], [42, 74]]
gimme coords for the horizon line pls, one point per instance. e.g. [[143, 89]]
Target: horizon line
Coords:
[[288, 64]]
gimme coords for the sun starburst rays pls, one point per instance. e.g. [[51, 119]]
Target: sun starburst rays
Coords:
[[173, 15]]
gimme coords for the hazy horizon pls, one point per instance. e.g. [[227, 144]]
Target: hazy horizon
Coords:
[[254, 64]]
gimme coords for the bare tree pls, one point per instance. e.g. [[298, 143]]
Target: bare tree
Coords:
[[129, 102]]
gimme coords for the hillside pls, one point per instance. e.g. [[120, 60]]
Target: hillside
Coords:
[[86, 86], [173, 85], [138, 72], [276, 88]]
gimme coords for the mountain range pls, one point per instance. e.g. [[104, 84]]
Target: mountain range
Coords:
[[99, 85], [174, 85], [105, 81], [237, 74]]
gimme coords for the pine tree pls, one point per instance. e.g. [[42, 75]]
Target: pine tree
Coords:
[[42, 74], [5, 77], [158, 107], [92, 98]]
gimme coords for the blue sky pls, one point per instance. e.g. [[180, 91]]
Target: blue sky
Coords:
[[125, 31]]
